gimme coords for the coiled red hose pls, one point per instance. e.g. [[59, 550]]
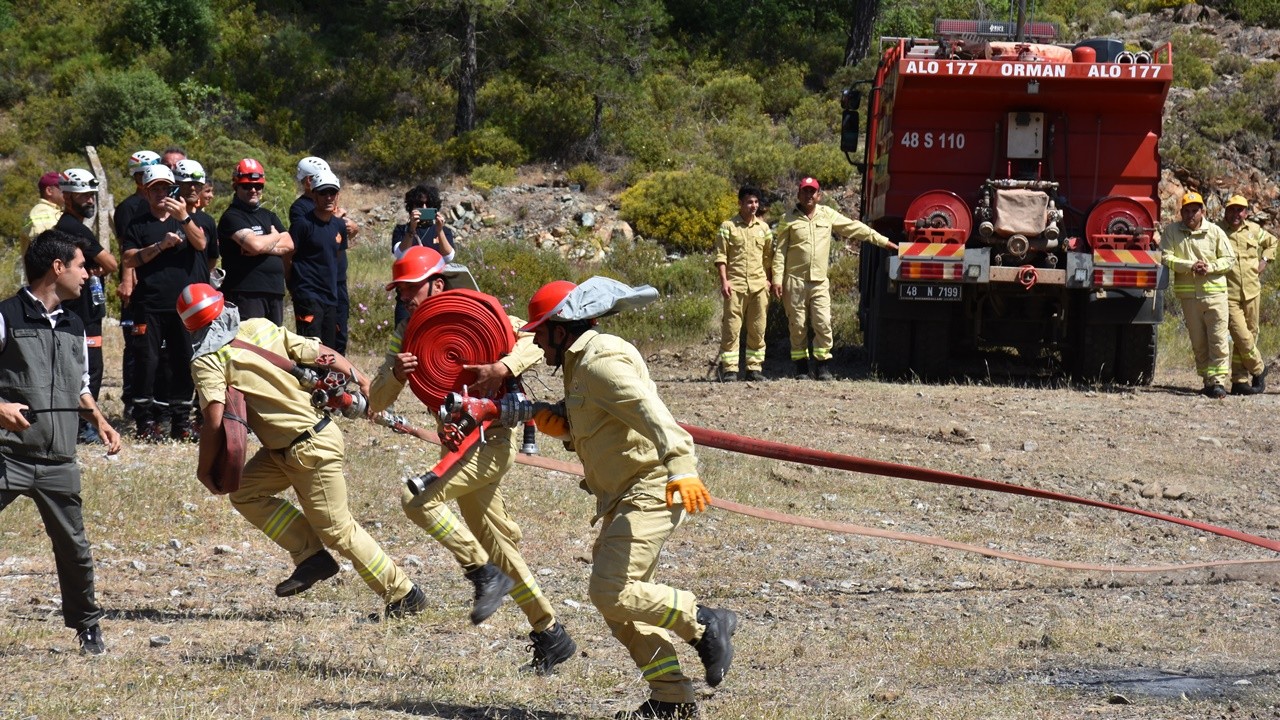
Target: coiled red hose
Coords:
[[449, 330]]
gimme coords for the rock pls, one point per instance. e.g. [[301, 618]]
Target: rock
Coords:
[[176, 544], [1149, 491], [1210, 440], [588, 219], [559, 231], [223, 550], [413, 561], [1029, 446], [1118, 699], [1175, 492], [138, 565], [886, 696], [160, 640], [791, 585]]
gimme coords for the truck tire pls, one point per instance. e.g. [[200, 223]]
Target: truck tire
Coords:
[[1136, 354], [931, 350], [1093, 354]]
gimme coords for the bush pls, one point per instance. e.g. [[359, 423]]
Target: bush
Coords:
[[548, 122], [485, 146], [730, 93], [513, 271], [487, 177], [815, 120], [184, 26], [681, 209], [825, 162], [105, 107], [407, 149], [1192, 53], [585, 175], [783, 88], [752, 151]]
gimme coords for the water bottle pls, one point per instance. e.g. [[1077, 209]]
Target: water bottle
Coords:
[[95, 290]]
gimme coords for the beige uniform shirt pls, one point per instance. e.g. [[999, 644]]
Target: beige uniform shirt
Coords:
[[42, 217], [279, 407], [802, 245], [745, 250], [1251, 244], [386, 388], [627, 439]]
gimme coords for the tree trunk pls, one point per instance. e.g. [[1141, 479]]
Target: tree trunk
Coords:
[[591, 151], [862, 22], [465, 118]]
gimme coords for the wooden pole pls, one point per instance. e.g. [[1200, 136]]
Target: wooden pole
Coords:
[[106, 206]]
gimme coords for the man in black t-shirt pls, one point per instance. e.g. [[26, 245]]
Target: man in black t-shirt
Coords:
[[253, 243], [315, 272], [129, 208], [166, 247], [425, 227], [191, 182], [80, 203], [308, 169]]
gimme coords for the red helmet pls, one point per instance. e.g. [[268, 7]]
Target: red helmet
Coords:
[[199, 304], [248, 170], [546, 301], [417, 264]]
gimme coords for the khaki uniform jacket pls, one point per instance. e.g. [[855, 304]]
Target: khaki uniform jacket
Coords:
[[1251, 244], [1183, 247], [746, 251], [627, 439], [279, 408], [42, 217], [385, 388], [802, 245]]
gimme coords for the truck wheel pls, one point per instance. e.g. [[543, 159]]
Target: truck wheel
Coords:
[[1136, 354], [1094, 354], [931, 350], [891, 348]]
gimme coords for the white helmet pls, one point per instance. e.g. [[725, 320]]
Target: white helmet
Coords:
[[156, 173], [142, 159], [77, 180], [311, 166], [325, 179], [189, 171]]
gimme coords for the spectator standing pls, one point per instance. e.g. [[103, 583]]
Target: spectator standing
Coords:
[[801, 256], [314, 273], [301, 449], [171, 156], [633, 453], [166, 247], [43, 372], [192, 182], [1254, 248], [487, 546], [80, 198], [46, 211], [744, 261], [425, 228], [308, 169], [253, 243], [132, 206], [1200, 254]]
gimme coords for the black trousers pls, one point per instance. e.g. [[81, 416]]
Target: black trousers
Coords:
[[55, 488], [162, 383], [258, 305], [316, 319]]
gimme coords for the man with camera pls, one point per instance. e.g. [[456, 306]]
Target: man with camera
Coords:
[[301, 448], [166, 248]]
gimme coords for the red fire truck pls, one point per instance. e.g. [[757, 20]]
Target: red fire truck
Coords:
[[1018, 176]]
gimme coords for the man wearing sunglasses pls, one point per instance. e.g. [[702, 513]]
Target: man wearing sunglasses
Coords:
[[80, 204], [253, 243], [315, 273]]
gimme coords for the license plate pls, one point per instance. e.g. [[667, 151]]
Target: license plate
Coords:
[[925, 291]]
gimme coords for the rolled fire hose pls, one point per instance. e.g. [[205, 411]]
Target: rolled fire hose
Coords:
[[476, 323]]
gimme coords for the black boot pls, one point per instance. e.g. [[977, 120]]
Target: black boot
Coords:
[[412, 603], [492, 585], [1260, 381], [91, 640], [660, 710], [824, 370], [550, 648], [715, 647], [320, 566], [802, 368]]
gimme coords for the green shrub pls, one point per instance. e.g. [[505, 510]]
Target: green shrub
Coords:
[[1192, 55], [184, 26], [512, 270], [585, 175], [487, 177], [546, 121], [815, 119], [670, 321], [485, 146], [783, 87], [825, 162], [750, 150], [729, 93], [107, 106], [404, 150], [1257, 12], [1231, 64], [681, 209]]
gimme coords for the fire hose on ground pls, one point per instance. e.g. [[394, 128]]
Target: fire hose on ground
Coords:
[[444, 347]]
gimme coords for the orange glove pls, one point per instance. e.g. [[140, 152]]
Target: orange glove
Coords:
[[692, 492], [551, 423]]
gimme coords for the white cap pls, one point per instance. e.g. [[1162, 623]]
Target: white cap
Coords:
[[156, 173], [310, 167], [325, 179]]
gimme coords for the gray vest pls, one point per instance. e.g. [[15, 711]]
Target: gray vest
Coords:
[[42, 367]]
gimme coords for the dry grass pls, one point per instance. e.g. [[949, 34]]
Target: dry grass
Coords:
[[835, 626]]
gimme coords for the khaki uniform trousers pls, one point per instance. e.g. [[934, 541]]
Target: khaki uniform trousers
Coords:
[[313, 468], [1206, 320], [808, 301], [490, 534], [1246, 359], [637, 610], [754, 306]]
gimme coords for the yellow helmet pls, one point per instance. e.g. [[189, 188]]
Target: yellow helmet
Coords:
[[1237, 200], [1191, 197]]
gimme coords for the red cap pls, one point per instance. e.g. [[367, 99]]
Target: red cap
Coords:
[[49, 179], [809, 183]]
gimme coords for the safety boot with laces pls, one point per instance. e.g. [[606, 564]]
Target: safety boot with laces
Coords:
[[492, 585], [91, 640], [715, 647], [320, 566], [412, 603], [802, 368], [550, 648], [660, 710]]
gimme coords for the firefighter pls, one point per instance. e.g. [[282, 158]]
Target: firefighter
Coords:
[[1254, 248], [802, 251], [486, 546], [637, 460], [744, 262], [301, 449], [1199, 254]]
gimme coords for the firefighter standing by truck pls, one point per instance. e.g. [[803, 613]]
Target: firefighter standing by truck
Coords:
[[1254, 248], [301, 449], [802, 253], [633, 453], [1200, 255], [486, 547], [744, 262]]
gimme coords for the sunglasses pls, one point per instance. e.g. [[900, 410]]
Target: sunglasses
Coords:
[[251, 188], [327, 192]]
